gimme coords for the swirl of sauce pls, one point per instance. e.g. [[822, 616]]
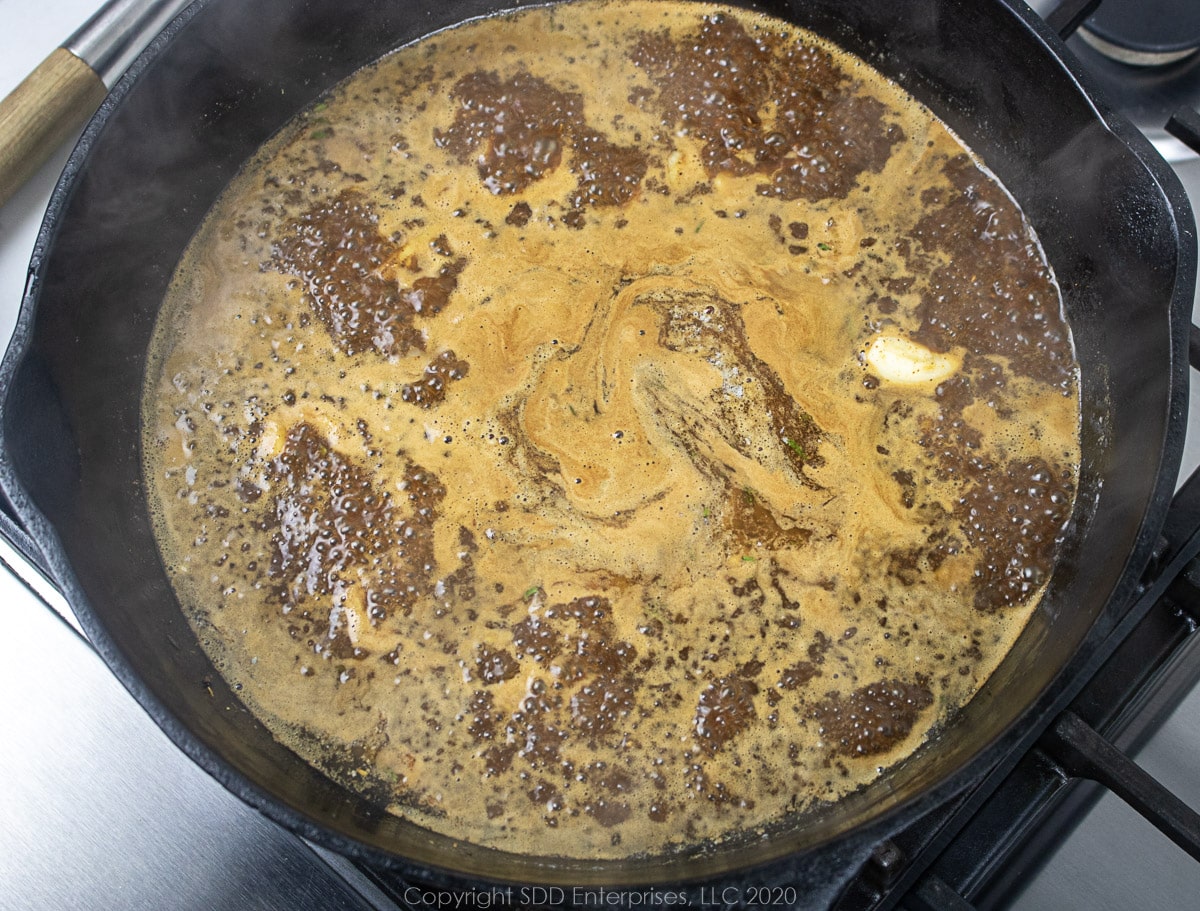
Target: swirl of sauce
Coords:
[[598, 421]]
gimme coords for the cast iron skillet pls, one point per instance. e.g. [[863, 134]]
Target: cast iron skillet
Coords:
[[229, 73]]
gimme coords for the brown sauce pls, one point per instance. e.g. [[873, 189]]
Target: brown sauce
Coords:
[[523, 448]]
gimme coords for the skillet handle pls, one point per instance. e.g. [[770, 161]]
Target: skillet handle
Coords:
[[50, 105], [58, 97]]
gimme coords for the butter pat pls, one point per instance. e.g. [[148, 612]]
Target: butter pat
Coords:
[[895, 359]]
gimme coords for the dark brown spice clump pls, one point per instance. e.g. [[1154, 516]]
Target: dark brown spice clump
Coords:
[[720, 81], [873, 718], [332, 525], [516, 131], [995, 295], [430, 390], [724, 710], [493, 666], [328, 518], [335, 248], [1014, 521]]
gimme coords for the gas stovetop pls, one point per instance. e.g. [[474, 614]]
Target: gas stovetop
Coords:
[[103, 811]]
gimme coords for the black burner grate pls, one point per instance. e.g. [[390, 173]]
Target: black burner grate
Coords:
[[984, 845]]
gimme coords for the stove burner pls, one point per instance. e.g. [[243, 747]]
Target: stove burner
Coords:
[[1142, 56], [1145, 32]]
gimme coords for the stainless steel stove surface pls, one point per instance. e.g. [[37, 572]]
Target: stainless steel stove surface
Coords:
[[100, 810]]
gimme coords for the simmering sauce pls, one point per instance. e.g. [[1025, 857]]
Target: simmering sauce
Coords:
[[611, 426]]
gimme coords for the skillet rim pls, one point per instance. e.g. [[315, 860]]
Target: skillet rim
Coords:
[[1056, 694]]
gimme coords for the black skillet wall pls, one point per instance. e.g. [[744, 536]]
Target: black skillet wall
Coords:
[[240, 70]]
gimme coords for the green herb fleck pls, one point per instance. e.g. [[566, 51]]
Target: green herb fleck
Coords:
[[574, 413], [749, 559], [824, 246], [796, 448], [320, 106], [699, 226], [531, 591], [323, 133], [748, 496]]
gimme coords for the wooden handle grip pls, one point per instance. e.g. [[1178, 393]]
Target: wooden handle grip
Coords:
[[51, 103]]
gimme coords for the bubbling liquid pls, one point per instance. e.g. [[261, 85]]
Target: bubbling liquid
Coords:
[[634, 420]]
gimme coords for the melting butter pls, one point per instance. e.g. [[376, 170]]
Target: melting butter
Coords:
[[902, 361]]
